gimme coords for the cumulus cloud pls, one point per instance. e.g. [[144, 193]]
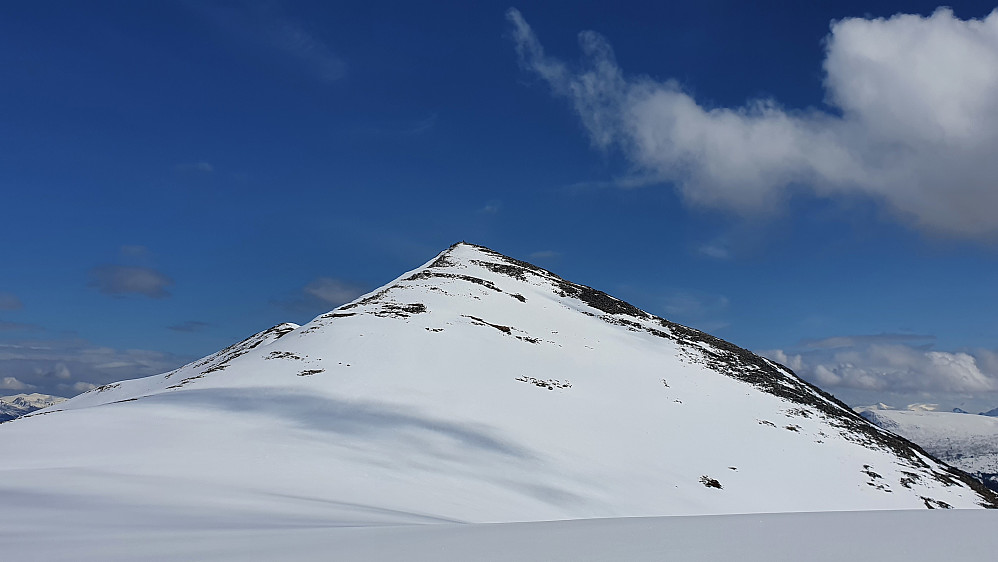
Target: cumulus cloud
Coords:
[[9, 302], [891, 364], [81, 387], [11, 383], [912, 123], [122, 280]]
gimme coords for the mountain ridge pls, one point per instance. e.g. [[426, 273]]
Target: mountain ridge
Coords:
[[481, 388]]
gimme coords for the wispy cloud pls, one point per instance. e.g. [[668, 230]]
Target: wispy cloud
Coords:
[[292, 38], [492, 207], [121, 280], [913, 125], [332, 291], [714, 250], [265, 27], [322, 294]]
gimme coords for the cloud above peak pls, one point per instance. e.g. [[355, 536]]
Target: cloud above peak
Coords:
[[912, 123]]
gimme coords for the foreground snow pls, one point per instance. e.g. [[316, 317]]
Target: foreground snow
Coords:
[[816, 537]]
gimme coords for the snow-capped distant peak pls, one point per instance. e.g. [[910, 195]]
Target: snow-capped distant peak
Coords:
[[20, 404]]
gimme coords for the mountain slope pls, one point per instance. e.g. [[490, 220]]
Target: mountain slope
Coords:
[[474, 388], [965, 441]]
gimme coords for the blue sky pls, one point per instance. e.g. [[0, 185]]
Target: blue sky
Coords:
[[178, 175]]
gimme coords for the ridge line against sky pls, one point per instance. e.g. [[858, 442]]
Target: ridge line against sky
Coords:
[[812, 181]]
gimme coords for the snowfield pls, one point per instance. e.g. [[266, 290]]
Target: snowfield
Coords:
[[475, 389], [815, 537]]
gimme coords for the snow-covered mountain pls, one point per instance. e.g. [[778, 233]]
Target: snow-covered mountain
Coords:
[[476, 388], [992, 412], [19, 404], [965, 441]]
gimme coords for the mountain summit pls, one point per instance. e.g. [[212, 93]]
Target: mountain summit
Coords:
[[474, 388]]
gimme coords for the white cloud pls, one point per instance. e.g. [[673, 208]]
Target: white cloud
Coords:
[[913, 123], [870, 364], [11, 383], [80, 387], [61, 371]]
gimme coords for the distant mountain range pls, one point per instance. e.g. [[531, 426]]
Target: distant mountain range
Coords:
[[968, 442], [19, 404]]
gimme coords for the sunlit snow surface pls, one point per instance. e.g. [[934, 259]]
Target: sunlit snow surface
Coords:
[[815, 537], [473, 389]]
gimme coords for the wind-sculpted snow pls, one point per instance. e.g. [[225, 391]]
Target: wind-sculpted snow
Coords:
[[475, 388]]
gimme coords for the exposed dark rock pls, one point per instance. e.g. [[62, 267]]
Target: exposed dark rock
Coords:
[[549, 384], [710, 482]]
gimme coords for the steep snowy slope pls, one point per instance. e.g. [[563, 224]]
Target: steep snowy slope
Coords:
[[474, 388], [966, 441]]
